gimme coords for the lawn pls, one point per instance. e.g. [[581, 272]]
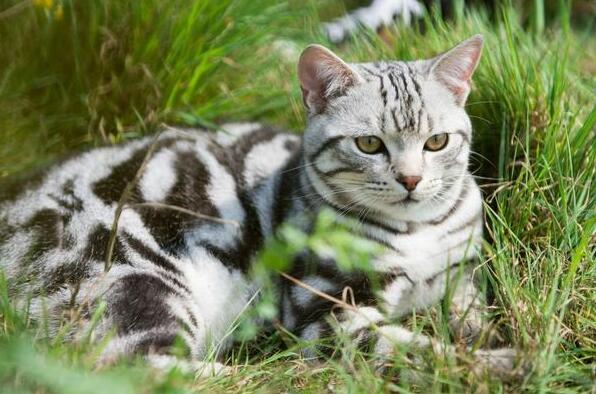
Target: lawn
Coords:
[[77, 74]]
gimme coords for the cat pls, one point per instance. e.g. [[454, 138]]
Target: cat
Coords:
[[162, 231]]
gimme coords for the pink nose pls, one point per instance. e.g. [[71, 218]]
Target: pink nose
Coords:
[[409, 182]]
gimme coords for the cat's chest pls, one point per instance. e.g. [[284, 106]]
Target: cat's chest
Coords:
[[424, 251], [420, 241]]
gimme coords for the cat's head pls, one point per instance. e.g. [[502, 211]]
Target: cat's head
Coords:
[[390, 137]]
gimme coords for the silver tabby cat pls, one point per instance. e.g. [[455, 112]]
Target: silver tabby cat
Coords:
[[386, 146]]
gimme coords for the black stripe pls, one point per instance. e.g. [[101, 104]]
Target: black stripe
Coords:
[[399, 92], [386, 278], [371, 72], [6, 231], [383, 91], [233, 158], [409, 100], [47, 228], [382, 121], [329, 143], [331, 173], [431, 125], [228, 257], [68, 200], [395, 87], [464, 135], [97, 245], [156, 342], [169, 227], [462, 263], [387, 244], [413, 78], [288, 185], [150, 255], [409, 97], [468, 223], [72, 273], [110, 188], [365, 219], [419, 122], [320, 307], [365, 339], [137, 302], [394, 116], [379, 65], [454, 207], [384, 97], [193, 318]]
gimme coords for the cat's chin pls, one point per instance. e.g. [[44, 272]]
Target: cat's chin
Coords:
[[408, 209]]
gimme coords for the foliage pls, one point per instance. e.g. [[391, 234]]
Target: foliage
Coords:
[[82, 73]]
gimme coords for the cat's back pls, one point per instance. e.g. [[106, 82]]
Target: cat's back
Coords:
[[83, 178], [177, 187], [156, 161]]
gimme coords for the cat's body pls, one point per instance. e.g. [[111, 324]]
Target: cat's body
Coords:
[[168, 266], [203, 204]]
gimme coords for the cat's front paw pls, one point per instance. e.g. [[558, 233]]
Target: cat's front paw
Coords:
[[466, 328], [504, 363]]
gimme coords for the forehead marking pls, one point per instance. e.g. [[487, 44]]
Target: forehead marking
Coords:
[[411, 107], [377, 73], [384, 96], [398, 111], [406, 107]]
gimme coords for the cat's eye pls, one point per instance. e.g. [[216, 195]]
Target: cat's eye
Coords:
[[369, 144], [436, 142]]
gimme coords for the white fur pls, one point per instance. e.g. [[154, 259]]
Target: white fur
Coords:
[[218, 295], [230, 132], [159, 176]]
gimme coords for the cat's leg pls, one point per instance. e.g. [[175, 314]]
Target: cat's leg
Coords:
[[203, 369], [156, 346], [466, 310], [366, 326], [148, 315]]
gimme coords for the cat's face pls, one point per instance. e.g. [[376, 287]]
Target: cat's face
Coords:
[[389, 137]]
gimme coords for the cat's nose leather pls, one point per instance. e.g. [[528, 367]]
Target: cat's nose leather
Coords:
[[409, 182]]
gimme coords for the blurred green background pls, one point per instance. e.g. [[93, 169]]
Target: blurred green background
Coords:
[[76, 74]]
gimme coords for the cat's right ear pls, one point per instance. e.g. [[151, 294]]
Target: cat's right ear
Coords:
[[455, 67], [323, 76]]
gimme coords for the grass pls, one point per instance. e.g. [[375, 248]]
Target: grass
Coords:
[[78, 74]]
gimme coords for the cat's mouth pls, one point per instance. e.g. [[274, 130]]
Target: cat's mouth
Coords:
[[409, 199]]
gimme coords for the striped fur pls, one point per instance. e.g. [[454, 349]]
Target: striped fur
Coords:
[[204, 204]]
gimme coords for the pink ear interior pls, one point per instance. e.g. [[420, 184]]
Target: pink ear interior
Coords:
[[455, 67], [308, 66]]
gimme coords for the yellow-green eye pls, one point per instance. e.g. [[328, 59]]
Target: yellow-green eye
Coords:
[[369, 144], [436, 142]]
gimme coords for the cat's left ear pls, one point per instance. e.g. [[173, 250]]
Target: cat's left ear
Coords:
[[455, 67]]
